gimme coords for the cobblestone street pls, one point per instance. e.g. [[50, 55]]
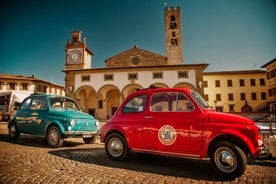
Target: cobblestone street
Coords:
[[31, 161]]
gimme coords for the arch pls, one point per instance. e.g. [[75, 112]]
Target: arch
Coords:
[[86, 98], [128, 89], [185, 85], [110, 97], [103, 90], [159, 84]]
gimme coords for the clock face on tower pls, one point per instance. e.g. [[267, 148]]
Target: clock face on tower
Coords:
[[74, 56]]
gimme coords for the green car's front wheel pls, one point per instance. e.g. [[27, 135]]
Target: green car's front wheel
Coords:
[[54, 138]]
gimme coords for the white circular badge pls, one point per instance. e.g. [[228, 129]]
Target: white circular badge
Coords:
[[167, 135]]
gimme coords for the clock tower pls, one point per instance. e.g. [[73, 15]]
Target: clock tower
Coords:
[[78, 56]]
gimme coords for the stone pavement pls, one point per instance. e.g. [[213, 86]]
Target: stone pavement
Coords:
[[31, 161]]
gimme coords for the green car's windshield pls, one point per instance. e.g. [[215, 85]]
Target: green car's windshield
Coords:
[[200, 100], [62, 102]]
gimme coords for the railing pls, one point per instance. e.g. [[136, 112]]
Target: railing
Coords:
[[262, 105], [265, 121]]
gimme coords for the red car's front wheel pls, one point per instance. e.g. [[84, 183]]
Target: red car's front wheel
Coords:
[[116, 146], [228, 159]]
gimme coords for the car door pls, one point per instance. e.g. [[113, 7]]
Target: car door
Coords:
[[38, 115], [22, 116], [131, 118], [172, 124]]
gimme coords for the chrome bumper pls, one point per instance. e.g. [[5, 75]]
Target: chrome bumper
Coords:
[[84, 134]]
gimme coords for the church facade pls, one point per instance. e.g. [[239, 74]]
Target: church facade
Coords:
[[100, 91]]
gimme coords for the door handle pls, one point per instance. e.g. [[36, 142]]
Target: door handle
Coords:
[[148, 117]]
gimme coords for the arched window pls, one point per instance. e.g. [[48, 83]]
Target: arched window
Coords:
[[174, 41], [173, 34], [172, 18], [173, 25]]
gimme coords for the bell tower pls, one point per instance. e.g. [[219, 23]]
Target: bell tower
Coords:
[[174, 45], [78, 56]]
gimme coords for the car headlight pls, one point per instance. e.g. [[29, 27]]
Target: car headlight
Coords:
[[72, 122], [97, 123], [260, 142]]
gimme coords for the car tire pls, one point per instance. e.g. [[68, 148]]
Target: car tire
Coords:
[[116, 146], [228, 160], [90, 140], [13, 131], [54, 138]]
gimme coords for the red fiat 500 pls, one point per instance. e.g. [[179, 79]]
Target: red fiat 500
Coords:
[[178, 122]]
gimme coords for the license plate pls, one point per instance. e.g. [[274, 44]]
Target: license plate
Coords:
[[87, 136]]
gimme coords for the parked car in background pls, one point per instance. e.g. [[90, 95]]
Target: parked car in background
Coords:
[[55, 117], [178, 122], [9, 103]]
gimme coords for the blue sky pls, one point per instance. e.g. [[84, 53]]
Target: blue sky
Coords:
[[227, 34]]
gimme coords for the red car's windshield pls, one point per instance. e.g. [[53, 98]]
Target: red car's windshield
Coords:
[[200, 100]]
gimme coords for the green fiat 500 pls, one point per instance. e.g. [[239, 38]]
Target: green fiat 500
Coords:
[[55, 117]]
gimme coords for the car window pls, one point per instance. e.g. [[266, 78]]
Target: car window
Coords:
[[136, 104], [162, 101], [182, 103], [200, 100], [170, 101], [38, 103], [62, 102], [26, 104], [44, 103]]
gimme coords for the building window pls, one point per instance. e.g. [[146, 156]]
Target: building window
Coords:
[[157, 75], [230, 97], [262, 82], [243, 97], [271, 74], [263, 95], [218, 97], [173, 25], [1, 85], [108, 77], [206, 97], [75, 40], [231, 107], [174, 41], [253, 96], [24, 86], [242, 82], [217, 83], [41, 88], [272, 91], [12, 86], [172, 18], [252, 82], [132, 76], [183, 74], [85, 78], [219, 108], [205, 84], [173, 34], [229, 83]]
